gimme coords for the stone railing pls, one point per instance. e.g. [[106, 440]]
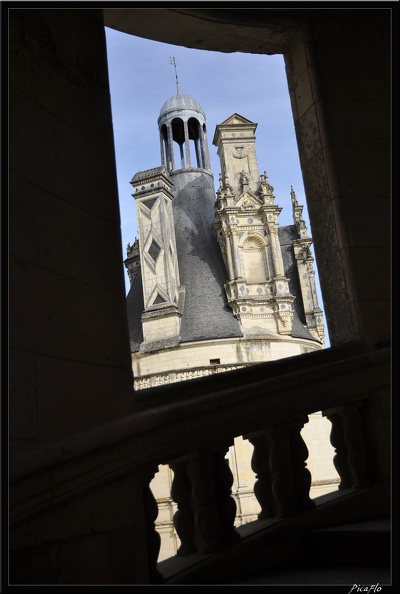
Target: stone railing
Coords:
[[191, 425], [161, 379], [201, 487]]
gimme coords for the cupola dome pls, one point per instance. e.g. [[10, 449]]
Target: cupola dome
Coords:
[[180, 103]]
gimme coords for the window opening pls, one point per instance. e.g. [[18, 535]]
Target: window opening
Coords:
[[207, 76]]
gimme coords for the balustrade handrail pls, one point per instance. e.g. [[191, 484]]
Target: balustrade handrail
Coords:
[[163, 378], [170, 421]]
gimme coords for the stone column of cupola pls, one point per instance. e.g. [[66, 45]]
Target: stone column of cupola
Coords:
[[162, 151], [187, 145], [198, 152], [182, 156], [204, 149], [202, 153], [170, 149]]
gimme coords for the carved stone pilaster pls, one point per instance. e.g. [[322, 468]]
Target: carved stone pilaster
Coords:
[[277, 260]]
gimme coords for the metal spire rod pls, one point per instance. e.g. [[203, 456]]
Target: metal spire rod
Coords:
[[172, 61]]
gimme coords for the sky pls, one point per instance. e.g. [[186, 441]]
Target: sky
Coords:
[[254, 86]]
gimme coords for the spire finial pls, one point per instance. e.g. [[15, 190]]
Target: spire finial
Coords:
[[293, 196], [173, 62]]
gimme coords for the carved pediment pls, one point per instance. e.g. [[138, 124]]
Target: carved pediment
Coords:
[[235, 119], [248, 201]]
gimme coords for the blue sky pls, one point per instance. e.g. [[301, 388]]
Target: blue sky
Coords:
[[254, 86]]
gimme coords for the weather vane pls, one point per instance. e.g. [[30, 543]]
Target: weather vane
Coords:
[[172, 61]]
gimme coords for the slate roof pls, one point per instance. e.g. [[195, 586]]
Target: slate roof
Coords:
[[206, 314]]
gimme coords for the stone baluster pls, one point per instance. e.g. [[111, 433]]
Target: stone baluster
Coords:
[[280, 464], [350, 446], [301, 475], [283, 481], [201, 488], [183, 517], [338, 442], [263, 484], [152, 537], [226, 504], [204, 501]]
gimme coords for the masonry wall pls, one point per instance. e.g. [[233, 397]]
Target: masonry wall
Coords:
[[62, 189], [339, 83], [68, 330], [171, 365], [70, 368]]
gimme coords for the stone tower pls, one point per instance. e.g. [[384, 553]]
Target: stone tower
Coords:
[[247, 228], [220, 284], [157, 249], [258, 289]]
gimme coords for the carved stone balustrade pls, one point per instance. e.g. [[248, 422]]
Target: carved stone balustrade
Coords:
[[102, 475]]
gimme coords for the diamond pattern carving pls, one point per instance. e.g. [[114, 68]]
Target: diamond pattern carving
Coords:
[[150, 203], [154, 250]]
